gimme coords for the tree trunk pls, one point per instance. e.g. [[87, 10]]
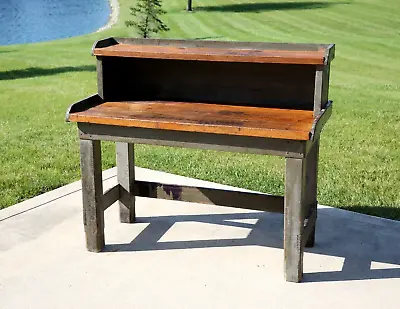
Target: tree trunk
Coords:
[[189, 5]]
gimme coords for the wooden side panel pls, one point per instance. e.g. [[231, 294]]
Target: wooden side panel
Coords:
[[83, 105], [320, 121], [321, 88], [271, 85], [325, 86]]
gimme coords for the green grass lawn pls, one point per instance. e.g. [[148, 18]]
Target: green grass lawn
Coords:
[[360, 146]]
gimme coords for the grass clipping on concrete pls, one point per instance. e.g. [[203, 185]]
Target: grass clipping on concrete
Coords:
[[360, 146]]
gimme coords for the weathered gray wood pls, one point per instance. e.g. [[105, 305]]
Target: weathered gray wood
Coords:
[[277, 147], [308, 238], [311, 185], [92, 193], [83, 105], [318, 89], [329, 53], [321, 87], [211, 196], [213, 44], [100, 77], [126, 180], [111, 196], [320, 121], [294, 218], [325, 85]]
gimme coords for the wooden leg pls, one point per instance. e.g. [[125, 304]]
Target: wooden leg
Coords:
[[311, 183], [126, 180], [294, 218], [92, 193]]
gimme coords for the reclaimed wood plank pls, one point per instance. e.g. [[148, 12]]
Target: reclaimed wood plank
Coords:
[[110, 196], [219, 142], [213, 54], [126, 180], [92, 194], [308, 239], [201, 117], [294, 218], [311, 188]]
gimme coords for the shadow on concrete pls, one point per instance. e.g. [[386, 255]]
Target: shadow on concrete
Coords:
[[265, 6], [36, 72], [379, 211], [358, 242]]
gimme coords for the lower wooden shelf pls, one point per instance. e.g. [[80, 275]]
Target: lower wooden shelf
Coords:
[[199, 117]]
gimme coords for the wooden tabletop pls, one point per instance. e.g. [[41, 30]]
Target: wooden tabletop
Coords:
[[213, 54], [201, 117]]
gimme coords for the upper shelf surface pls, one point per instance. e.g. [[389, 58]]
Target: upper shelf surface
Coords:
[[256, 55]]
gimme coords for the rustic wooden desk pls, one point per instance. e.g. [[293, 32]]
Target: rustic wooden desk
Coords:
[[263, 98]]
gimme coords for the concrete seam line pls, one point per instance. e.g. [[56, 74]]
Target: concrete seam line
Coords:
[[48, 201]]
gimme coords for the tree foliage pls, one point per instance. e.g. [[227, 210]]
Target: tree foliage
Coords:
[[146, 18]]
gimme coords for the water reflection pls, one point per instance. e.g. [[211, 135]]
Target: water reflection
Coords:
[[27, 21]]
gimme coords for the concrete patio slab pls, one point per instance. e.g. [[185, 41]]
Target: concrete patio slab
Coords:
[[186, 255]]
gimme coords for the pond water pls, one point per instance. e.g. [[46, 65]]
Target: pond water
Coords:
[[27, 21]]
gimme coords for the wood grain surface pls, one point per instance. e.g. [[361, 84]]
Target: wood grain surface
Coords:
[[201, 117], [213, 54]]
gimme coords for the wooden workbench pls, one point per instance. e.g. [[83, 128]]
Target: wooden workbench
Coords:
[[263, 98]]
